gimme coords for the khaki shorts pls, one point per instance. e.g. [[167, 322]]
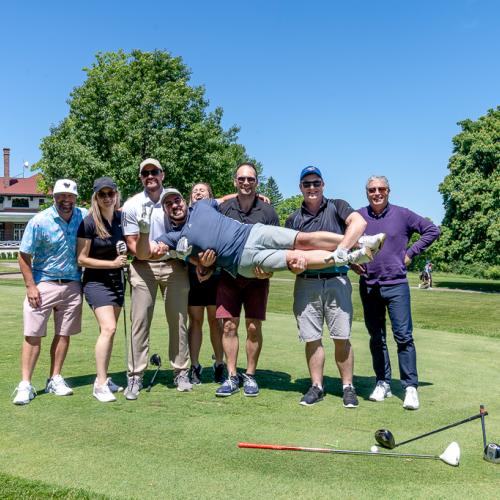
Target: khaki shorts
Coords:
[[266, 247], [65, 300], [317, 301]]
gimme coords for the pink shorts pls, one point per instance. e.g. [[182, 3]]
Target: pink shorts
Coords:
[[65, 300]]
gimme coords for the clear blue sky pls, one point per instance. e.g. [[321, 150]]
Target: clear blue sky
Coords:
[[354, 87]]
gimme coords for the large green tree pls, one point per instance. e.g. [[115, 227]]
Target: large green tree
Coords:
[[471, 194], [271, 190], [134, 106]]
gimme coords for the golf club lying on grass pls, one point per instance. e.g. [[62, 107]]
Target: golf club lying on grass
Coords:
[[450, 456], [491, 450], [385, 438], [156, 361]]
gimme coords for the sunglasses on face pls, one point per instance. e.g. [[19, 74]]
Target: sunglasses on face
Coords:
[[381, 190], [106, 194], [250, 180], [154, 172], [308, 184], [175, 201]]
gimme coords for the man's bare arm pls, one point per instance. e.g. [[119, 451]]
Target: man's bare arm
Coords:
[[32, 292]]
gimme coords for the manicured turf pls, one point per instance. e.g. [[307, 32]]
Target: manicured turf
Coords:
[[173, 445]]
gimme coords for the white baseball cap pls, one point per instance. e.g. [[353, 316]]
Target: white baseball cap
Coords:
[[150, 161], [65, 186], [169, 191]]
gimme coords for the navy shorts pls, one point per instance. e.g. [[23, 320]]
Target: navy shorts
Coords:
[[99, 294], [204, 293]]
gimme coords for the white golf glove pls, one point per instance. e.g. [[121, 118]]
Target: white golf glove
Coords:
[[183, 249], [121, 247], [144, 221], [340, 256]]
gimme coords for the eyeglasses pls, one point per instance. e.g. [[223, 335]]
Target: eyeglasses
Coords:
[[308, 184], [250, 180], [154, 172], [176, 201], [381, 190], [106, 194]]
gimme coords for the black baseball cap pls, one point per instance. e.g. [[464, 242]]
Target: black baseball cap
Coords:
[[104, 182]]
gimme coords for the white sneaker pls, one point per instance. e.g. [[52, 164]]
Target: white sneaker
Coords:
[[374, 242], [182, 382], [58, 386], [103, 392], [360, 256], [113, 387], [25, 392], [411, 399], [382, 390]]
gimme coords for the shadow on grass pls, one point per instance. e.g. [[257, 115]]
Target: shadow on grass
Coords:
[[468, 285]]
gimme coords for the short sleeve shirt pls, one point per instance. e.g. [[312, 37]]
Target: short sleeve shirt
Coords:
[[100, 248], [331, 216], [206, 228], [132, 210], [51, 242]]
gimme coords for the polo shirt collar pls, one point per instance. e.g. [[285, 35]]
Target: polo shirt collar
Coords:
[[322, 206], [382, 214]]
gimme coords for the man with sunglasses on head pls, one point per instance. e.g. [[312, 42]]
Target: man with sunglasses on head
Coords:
[[251, 293], [384, 285], [169, 274], [325, 295]]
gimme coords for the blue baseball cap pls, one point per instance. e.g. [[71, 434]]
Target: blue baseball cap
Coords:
[[309, 171]]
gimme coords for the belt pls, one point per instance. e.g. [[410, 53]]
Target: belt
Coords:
[[320, 276], [60, 282]]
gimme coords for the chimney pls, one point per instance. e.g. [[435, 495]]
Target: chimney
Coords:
[[6, 167]]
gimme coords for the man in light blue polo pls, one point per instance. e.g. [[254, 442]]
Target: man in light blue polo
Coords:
[[47, 259]]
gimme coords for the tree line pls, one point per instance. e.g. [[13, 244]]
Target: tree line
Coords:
[[141, 104]]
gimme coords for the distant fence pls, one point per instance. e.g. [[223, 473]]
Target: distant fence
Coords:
[[9, 249]]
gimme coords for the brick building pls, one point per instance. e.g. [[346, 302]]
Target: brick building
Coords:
[[19, 201]]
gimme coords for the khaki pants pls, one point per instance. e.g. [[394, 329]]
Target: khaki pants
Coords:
[[145, 278]]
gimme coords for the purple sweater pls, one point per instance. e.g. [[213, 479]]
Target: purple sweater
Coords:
[[399, 224]]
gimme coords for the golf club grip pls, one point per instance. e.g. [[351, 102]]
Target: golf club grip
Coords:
[[281, 447], [449, 426]]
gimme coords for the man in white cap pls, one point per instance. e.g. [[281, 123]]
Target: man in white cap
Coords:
[[47, 259], [170, 275]]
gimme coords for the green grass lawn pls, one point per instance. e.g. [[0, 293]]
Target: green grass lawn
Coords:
[[172, 445]]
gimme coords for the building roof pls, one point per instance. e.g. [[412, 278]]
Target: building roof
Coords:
[[17, 186]]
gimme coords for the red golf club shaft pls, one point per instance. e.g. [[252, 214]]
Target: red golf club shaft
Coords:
[[283, 447]]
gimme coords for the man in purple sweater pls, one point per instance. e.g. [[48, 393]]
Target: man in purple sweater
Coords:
[[384, 285]]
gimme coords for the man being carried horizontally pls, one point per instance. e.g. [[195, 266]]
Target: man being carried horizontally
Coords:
[[240, 248]]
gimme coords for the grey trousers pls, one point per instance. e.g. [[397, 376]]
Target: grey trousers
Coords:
[[172, 278]]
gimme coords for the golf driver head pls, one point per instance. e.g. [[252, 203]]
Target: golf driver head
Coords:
[[385, 438], [155, 360], [451, 455], [492, 453]]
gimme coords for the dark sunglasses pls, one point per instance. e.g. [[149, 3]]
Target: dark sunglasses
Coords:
[[308, 184], [106, 194], [381, 190], [154, 172], [250, 180]]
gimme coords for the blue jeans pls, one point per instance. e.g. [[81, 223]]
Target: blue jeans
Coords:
[[396, 299]]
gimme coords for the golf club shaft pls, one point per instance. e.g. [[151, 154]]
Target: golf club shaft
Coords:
[[153, 379], [280, 447], [482, 412], [449, 426]]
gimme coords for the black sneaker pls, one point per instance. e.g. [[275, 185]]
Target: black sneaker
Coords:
[[312, 396], [219, 373], [350, 399], [196, 374]]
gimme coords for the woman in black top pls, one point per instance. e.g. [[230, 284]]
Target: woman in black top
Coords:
[[102, 251]]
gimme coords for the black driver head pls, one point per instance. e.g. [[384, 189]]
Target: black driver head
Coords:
[[155, 360], [492, 453], [385, 438]]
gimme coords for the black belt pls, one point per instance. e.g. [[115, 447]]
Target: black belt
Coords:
[[320, 276], [60, 282]]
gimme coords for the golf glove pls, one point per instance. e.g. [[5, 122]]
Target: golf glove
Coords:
[[144, 221], [183, 249], [341, 256]]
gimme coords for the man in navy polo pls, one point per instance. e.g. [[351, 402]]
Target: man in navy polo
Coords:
[[325, 295], [383, 285]]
